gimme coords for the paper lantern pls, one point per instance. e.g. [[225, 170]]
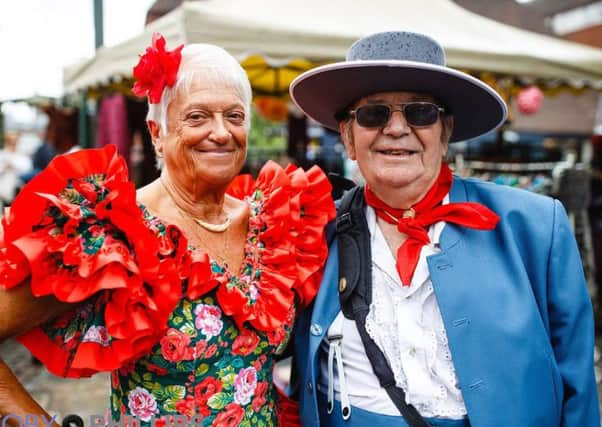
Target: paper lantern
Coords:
[[529, 100]]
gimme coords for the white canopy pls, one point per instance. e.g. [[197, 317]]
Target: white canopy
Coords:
[[322, 31]]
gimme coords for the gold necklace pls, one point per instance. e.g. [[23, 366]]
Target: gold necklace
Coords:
[[187, 217], [214, 228], [217, 254]]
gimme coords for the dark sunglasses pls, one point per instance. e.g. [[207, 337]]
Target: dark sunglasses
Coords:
[[417, 114]]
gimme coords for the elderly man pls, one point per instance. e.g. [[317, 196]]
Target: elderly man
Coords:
[[445, 301]]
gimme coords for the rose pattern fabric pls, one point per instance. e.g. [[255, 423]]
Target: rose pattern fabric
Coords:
[[142, 404], [97, 334], [212, 357], [244, 385], [208, 320]]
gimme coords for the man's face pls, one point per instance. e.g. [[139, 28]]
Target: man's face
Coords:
[[396, 155]]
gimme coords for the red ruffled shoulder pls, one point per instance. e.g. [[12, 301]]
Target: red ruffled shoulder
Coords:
[[294, 207], [76, 232]]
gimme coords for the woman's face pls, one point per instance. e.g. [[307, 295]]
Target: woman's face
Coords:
[[396, 155], [206, 141]]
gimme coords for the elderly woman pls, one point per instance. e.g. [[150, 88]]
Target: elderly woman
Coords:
[[185, 291], [444, 300]]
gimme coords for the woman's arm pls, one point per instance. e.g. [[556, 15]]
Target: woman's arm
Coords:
[[19, 312]]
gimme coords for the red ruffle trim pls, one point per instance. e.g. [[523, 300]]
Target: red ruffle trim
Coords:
[[75, 230], [287, 410], [297, 205]]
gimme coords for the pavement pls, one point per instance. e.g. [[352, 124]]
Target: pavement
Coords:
[[90, 396]]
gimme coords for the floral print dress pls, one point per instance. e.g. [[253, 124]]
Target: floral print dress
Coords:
[[180, 333]]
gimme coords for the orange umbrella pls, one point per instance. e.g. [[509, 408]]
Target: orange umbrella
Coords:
[[272, 76]]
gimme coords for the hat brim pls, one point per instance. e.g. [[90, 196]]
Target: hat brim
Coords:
[[323, 91]]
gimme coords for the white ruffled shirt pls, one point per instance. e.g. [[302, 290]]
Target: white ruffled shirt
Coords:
[[405, 322]]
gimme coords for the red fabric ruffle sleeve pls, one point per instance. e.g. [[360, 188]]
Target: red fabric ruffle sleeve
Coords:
[[296, 206], [76, 232]]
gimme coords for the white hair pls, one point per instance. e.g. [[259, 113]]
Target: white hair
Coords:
[[215, 68]]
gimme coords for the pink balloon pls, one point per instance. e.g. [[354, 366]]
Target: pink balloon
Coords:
[[529, 100]]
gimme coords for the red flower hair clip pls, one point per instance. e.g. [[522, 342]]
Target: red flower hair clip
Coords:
[[156, 69]]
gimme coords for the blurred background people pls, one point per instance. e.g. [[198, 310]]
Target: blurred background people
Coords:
[[13, 164]]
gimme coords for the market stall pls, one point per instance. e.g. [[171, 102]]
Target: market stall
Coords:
[[318, 31]]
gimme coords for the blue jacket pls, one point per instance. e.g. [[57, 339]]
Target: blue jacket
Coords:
[[516, 309]]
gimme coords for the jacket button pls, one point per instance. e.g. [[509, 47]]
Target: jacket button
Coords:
[[310, 388], [342, 284], [315, 329]]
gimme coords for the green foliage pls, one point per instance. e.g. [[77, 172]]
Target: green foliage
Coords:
[[173, 394], [188, 328], [187, 310], [219, 400], [264, 133], [202, 370], [266, 139], [228, 381]]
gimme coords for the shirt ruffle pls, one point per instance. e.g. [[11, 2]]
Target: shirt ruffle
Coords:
[[76, 232]]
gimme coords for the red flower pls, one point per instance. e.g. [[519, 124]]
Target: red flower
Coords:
[[245, 343], [127, 369], [203, 410], [211, 350], [114, 379], [205, 389], [174, 345], [230, 417], [62, 321], [185, 406], [156, 69], [259, 399], [276, 336], [200, 347], [72, 342], [156, 369]]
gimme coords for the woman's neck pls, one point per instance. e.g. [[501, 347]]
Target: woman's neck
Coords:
[[206, 205]]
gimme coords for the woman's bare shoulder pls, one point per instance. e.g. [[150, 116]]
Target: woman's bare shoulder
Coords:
[[147, 194]]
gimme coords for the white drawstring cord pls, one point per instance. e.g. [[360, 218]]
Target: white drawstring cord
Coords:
[[334, 337]]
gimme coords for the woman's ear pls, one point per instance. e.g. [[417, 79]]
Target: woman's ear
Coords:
[[155, 131]]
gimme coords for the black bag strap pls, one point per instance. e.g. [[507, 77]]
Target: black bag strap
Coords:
[[385, 375], [355, 295]]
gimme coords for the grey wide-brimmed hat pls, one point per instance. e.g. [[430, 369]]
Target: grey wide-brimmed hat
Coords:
[[398, 61]]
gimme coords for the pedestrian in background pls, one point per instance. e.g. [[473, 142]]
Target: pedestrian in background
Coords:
[[13, 164]]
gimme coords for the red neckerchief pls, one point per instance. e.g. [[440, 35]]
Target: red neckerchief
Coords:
[[415, 221]]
